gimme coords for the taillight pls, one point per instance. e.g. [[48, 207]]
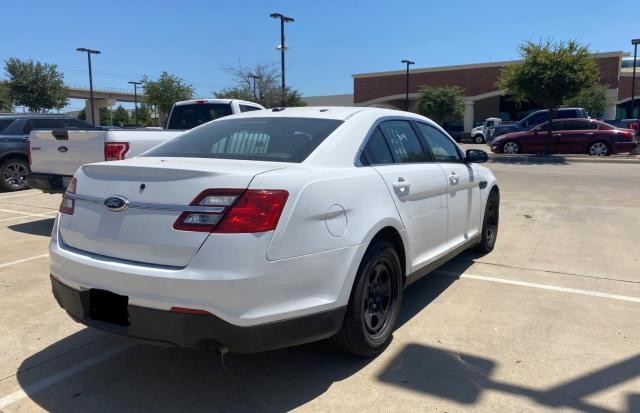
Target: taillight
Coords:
[[68, 204], [234, 211], [115, 151], [635, 126]]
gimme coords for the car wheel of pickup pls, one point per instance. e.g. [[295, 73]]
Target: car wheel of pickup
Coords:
[[13, 174], [478, 139], [374, 304], [490, 223]]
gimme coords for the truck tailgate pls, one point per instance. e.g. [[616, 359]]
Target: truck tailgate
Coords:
[[60, 156]]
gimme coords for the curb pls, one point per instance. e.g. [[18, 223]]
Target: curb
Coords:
[[560, 159]]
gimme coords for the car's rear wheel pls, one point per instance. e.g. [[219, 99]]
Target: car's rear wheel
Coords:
[[374, 303], [599, 149], [478, 139], [13, 174], [490, 223], [511, 147]]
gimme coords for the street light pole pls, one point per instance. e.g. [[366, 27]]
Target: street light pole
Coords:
[[89, 53], [635, 43], [406, 99], [135, 99], [255, 79], [283, 19]]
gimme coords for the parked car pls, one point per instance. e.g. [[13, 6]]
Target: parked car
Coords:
[[270, 229], [534, 119], [455, 129], [14, 153], [480, 132], [574, 136], [56, 154], [625, 124]]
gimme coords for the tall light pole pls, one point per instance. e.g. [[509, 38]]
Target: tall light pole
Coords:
[[406, 99], [89, 53], [283, 19], [135, 99], [255, 79], [635, 43]]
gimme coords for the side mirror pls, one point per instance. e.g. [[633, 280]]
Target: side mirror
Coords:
[[476, 156], [60, 134]]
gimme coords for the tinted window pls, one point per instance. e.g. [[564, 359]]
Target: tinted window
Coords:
[[535, 119], [441, 146], [555, 125], [4, 123], [247, 108], [376, 152], [403, 142], [46, 123], [265, 139], [579, 125], [564, 114], [76, 124], [192, 115]]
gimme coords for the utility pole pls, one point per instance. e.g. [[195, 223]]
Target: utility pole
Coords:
[[89, 53], [135, 99], [283, 19], [406, 99]]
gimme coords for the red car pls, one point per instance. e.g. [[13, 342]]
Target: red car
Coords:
[[574, 136]]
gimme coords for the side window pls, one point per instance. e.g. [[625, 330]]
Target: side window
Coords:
[[580, 125], [565, 114], [26, 129], [443, 149], [403, 142], [75, 124], [376, 152], [247, 108], [46, 124], [558, 125]]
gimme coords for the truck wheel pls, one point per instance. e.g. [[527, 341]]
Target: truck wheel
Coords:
[[478, 139], [13, 174], [374, 303]]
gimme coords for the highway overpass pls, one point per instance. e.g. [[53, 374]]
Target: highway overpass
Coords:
[[102, 98]]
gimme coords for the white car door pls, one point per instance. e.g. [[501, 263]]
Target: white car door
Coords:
[[463, 186], [417, 186]]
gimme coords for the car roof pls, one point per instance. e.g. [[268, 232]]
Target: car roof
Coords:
[[323, 112]]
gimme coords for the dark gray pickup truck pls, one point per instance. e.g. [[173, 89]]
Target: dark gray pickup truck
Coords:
[[14, 137]]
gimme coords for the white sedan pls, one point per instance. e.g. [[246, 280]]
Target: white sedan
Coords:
[[269, 229]]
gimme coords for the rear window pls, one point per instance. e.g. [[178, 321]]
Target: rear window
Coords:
[[4, 123], [264, 139], [192, 115]]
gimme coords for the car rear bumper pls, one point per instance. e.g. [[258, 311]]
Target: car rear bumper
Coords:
[[202, 331], [624, 147], [48, 183]]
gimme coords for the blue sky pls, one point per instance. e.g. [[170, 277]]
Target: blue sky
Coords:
[[329, 40]]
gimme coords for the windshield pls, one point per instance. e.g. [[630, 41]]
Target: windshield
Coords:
[[189, 116], [265, 139]]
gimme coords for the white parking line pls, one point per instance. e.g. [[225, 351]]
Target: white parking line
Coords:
[[544, 286], [29, 216], [17, 195], [24, 213], [55, 378], [8, 264]]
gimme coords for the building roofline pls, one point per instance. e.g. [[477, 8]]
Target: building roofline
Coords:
[[618, 54]]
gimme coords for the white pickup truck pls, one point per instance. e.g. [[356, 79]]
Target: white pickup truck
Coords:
[[55, 155]]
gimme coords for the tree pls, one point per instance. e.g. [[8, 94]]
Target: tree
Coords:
[[166, 91], [593, 98], [82, 114], [38, 86], [551, 73], [121, 116], [144, 114], [441, 103], [260, 84], [105, 116], [6, 103]]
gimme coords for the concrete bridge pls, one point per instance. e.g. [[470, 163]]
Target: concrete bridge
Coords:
[[102, 98]]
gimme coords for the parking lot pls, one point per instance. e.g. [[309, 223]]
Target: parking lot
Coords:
[[548, 320]]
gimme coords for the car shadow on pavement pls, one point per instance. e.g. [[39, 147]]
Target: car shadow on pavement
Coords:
[[463, 378], [42, 227], [147, 378], [529, 159]]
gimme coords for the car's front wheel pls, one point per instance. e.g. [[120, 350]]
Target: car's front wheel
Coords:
[[13, 174], [511, 147], [374, 303]]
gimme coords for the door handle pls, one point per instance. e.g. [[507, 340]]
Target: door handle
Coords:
[[453, 178], [401, 186]]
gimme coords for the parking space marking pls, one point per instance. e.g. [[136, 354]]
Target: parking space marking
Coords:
[[544, 286], [17, 195], [8, 264], [57, 377], [11, 211], [51, 215]]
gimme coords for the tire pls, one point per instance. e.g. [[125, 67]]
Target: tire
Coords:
[[511, 147], [367, 328], [490, 223], [599, 148], [13, 174], [479, 139]]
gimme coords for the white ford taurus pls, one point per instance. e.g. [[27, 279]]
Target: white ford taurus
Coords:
[[270, 228]]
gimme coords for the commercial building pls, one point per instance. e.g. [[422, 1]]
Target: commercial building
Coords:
[[483, 99]]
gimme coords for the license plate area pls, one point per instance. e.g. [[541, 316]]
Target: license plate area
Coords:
[[108, 307]]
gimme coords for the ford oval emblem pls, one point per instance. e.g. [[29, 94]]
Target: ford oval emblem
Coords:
[[116, 203]]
